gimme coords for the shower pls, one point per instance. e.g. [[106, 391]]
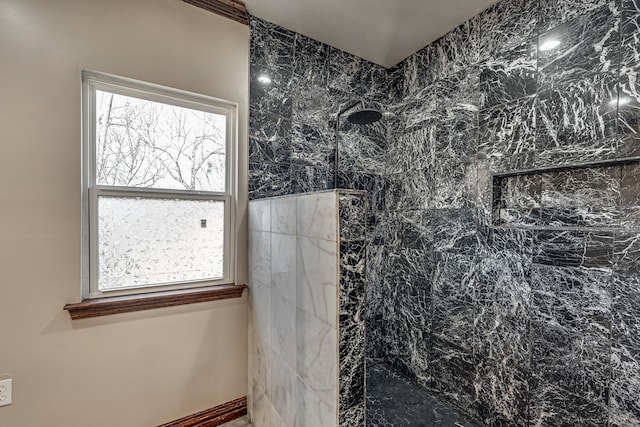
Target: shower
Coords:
[[362, 116]]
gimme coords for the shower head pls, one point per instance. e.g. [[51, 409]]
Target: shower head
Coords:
[[364, 116]]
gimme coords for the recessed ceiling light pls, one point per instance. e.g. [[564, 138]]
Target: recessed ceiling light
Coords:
[[550, 44], [264, 79]]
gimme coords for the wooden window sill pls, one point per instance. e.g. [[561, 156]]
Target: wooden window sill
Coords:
[[129, 303]]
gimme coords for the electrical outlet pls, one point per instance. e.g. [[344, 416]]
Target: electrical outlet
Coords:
[[6, 391]]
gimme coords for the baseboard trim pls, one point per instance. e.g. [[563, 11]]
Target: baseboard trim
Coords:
[[213, 417]]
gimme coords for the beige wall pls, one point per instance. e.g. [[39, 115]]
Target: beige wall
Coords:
[[138, 369]]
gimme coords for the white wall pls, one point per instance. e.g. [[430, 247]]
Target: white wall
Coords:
[[138, 369]]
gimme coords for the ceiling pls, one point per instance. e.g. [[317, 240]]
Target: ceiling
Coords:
[[381, 31]]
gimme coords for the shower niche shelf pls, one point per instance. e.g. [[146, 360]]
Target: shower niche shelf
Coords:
[[603, 195]]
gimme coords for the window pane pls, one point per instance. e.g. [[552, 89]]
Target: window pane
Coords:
[[157, 241], [148, 144]]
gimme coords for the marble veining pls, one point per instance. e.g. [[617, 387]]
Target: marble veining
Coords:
[[310, 61], [512, 297], [626, 252], [518, 321], [292, 139], [352, 212], [362, 148], [507, 24], [552, 405], [625, 359], [554, 13], [502, 393], [629, 98], [311, 410], [502, 306], [589, 44], [576, 122], [307, 309], [416, 71], [571, 309], [507, 135], [457, 49], [269, 179], [510, 75]]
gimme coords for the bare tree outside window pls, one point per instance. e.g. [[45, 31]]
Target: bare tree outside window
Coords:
[[157, 239], [147, 144]]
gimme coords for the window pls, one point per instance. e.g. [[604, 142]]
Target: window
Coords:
[[158, 185]]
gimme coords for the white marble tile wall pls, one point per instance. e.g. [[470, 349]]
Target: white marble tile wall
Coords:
[[317, 215], [317, 278], [293, 360]]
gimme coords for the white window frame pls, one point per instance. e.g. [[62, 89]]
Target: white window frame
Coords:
[[92, 81]]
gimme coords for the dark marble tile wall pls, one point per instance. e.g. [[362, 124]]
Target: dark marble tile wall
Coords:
[[352, 211], [515, 326], [292, 141], [533, 324], [292, 149], [292, 138]]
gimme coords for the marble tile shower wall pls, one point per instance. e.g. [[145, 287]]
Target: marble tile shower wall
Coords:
[[535, 324], [352, 215], [292, 138], [306, 310]]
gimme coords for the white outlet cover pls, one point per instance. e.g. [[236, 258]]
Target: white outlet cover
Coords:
[[6, 392]]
